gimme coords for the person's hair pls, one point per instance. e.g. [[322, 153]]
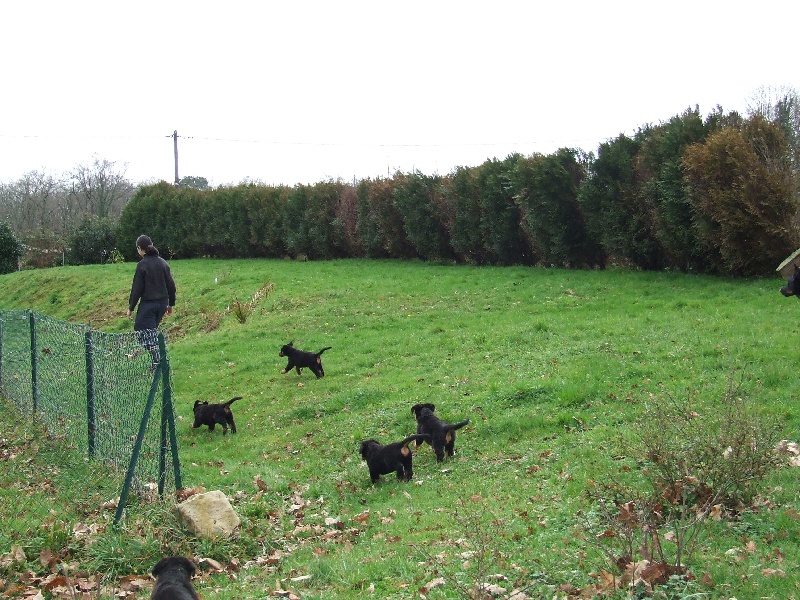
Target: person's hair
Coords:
[[145, 243]]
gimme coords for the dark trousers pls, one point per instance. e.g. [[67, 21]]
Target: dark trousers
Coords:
[[148, 318]]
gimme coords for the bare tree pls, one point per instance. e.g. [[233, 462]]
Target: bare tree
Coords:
[[99, 189], [782, 107], [6, 202], [30, 203]]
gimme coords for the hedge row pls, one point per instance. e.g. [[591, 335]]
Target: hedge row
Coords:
[[715, 196]]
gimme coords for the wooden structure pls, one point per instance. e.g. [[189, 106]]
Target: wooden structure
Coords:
[[786, 268]]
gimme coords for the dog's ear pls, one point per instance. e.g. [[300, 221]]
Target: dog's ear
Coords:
[[415, 408], [188, 565], [159, 566], [429, 406], [291, 344]]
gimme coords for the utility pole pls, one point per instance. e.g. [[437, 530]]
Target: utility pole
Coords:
[[175, 144]]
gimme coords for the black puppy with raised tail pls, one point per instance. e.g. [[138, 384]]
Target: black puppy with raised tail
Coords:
[[441, 435], [215, 414], [173, 579], [382, 460], [299, 359]]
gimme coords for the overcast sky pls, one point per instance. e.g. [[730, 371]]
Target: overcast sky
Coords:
[[299, 92]]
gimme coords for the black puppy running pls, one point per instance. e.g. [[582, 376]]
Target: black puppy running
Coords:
[[213, 414], [173, 575], [299, 359], [382, 460], [441, 435]]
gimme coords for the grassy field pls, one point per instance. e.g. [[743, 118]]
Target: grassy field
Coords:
[[555, 370]]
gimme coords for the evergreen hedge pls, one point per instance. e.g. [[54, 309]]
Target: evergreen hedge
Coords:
[[10, 249], [717, 196]]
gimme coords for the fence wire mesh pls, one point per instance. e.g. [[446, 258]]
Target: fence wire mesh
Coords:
[[73, 407]]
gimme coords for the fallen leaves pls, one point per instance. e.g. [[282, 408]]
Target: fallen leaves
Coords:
[[62, 587], [362, 517], [645, 574], [313, 528], [790, 449], [210, 565], [320, 530], [16, 555], [432, 584]]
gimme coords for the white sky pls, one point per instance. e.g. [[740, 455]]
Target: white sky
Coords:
[[299, 92]]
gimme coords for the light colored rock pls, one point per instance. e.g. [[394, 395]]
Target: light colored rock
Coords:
[[208, 515]]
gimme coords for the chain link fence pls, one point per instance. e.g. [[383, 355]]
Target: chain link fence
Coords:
[[88, 425]]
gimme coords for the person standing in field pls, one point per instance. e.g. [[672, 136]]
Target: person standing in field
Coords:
[[153, 289]]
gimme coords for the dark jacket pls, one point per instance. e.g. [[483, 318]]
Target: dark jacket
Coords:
[[152, 282]]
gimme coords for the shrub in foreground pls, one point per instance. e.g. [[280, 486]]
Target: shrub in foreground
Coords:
[[698, 462]]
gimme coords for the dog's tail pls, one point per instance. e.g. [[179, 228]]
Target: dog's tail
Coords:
[[323, 350], [422, 437], [454, 426], [232, 400]]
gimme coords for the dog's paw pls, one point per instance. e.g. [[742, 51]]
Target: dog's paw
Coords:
[[283, 371]]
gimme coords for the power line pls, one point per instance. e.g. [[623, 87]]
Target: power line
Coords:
[[381, 145], [297, 143]]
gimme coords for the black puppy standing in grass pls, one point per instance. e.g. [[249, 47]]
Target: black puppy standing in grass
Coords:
[[213, 414], [173, 579], [382, 460], [298, 359], [441, 435]]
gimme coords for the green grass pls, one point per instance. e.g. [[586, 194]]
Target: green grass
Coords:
[[551, 366]]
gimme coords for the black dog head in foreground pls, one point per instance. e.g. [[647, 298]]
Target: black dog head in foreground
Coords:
[[173, 579], [299, 359], [213, 414], [442, 435], [792, 287]]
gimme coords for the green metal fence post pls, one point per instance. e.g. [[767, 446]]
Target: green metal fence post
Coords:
[[137, 447], [168, 411], [162, 447], [34, 365], [90, 413], [1, 353]]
